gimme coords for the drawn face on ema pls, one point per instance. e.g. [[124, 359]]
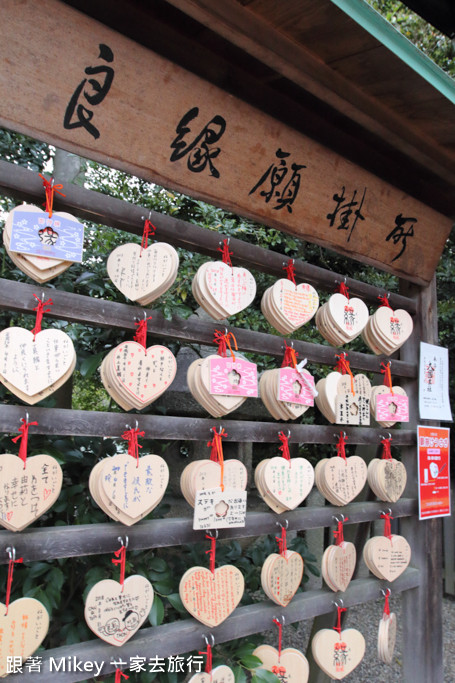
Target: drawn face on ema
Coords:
[[111, 626], [130, 620]]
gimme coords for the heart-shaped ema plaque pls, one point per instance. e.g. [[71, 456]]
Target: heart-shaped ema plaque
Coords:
[[34, 366], [27, 493], [223, 290], [286, 392], [290, 666], [389, 407], [198, 378], [340, 320], [338, 654], [143, 275], [387, 330], [135, 376], [287, 306], [22, 630], [287, 482], [114, 613], [338, 564], [385, 557], [281, 576], [340, 480], [387, 633], [201, 475], [387, 479], [220, 674], [211, 597]]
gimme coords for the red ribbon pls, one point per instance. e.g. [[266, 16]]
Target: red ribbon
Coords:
[[284, 448], [149, 230], [208, 664], [290, 270], [386, 450], [339, 535], [387, 375], [225, 253], [340, 610], [121, 555], [280, 636], [282, 544], [290, 357], [141, 333], [345, 369], [9, 581], [216, 453], [224, 341], [133, 445], [343, 289], [384, 301], [387, 525], [386, 603], [50, 189], [39, 314], [341, 451], [212, 552], [119, 675], [24, 439]]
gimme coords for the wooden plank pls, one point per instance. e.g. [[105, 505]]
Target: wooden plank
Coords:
[[50, 543], [198, 138], [25, 185], [63, 422], [185, 636], [18, 296]]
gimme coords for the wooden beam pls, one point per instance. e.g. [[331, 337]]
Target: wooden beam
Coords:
[[102, 104]]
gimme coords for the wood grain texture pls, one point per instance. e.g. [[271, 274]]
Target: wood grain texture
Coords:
[[137, 136]]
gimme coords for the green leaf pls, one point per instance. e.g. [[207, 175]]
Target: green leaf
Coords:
[[265, 676], [90, 364], [244, 649], [156, 615], [240, 675], [250, 661], [176, 602], [163, 587], [157, 564]]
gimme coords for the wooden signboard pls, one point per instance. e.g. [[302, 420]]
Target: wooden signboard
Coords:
[[83, 87]]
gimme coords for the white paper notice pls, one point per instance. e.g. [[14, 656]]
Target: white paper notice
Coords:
[[217, 509], [434, 403]]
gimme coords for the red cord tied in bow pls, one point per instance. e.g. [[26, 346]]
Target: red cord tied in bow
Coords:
[[120, 554], [141, 333], [119, 675], [387, 526], [216, 452], [386, 449], [290, 356], [290, 270], [386, 612], [284, 448], [384, 301], [225, 253], [344, 367], [282, 542], [343, 289], [212, 551], [23, 436], [133, 445], [40, 310], [148, 231], [339, 534], [9, 581], [387, 375], [340, 611], [280, 636], [50, 189], [208, 661], [224, 341], [341, 450]]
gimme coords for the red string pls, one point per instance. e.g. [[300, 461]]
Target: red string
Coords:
[[119, 675], [39, 314], [121, 555], [225, 253], [9, 581], [284, 448], [343, 289], [340, 610], [133, 445], [216, 453], [339, 535], [387, 525], [141, 333], [384, 301], [387, 375], [208, 664], [341, 451], [290, 357], [148, 231], [212, 552], [224, 341], [282, 542], [280, 636], [50, 189], [290, 270], [386, 450], [344, 367], [386, 604], [24, 439]]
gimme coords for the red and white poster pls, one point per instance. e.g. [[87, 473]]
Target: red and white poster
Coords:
[[433, 448]]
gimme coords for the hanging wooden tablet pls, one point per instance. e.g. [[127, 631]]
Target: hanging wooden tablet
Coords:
[[220, 674], [143, 273], [338, 561], [114, 610], [289, 665], [387, 632], [211, 595], [338, 652], [387, 476], [340, 479], [221, 289], [387, 330], [341, 319], [389, 404], [34, 364], [282, 573], [344, 398], [28, 486], [286, 305], [387, 556]]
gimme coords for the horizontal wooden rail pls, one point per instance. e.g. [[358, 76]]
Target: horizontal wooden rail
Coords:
[[50, 543], [185, 636], [18, 296], [26, 185], [66, 422]]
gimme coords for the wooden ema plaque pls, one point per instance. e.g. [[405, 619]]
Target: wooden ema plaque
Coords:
[[338, 654], [220, 674], [22, 630], [95, 105], [290, 665], [223, 290], [287, 306], [211, 597]]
